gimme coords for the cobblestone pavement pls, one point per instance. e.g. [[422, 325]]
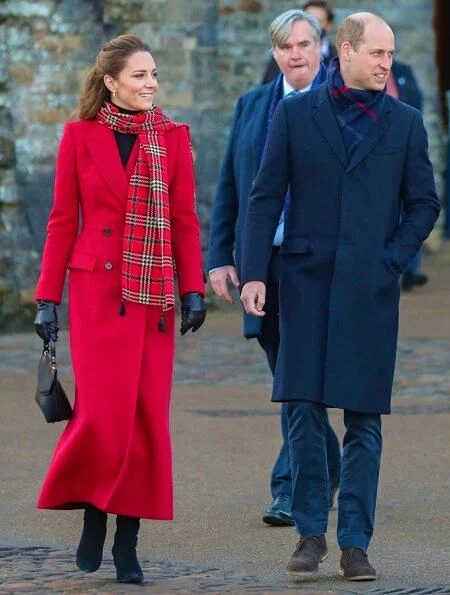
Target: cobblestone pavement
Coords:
[[422, 372], [218, 358], [42, 570], [423, 365]]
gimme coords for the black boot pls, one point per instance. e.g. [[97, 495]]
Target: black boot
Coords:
[[124, 551], [90, 548]]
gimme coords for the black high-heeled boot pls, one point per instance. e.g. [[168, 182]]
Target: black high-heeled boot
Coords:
[[90, 549], [124, 551]]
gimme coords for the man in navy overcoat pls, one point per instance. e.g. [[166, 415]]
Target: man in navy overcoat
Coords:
[[355, 159], [296, 47]]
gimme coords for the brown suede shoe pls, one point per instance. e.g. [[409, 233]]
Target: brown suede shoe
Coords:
[[304, 562], [355, 565]]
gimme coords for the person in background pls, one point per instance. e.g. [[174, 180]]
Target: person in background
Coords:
[[295, 37], [126, 168], [325, 16], [402, 84], [362, 201]]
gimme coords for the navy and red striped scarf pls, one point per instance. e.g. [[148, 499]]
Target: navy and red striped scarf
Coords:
[[356, 110], [147, 263]]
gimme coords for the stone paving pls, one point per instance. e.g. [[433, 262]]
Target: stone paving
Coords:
[[422, 385], [42, 570], [215, 358], [39, 569], [422, 371]]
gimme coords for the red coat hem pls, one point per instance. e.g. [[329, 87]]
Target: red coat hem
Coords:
[[133, 512]]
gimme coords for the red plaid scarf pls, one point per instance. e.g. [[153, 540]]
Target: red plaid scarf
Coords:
[[147, 263]]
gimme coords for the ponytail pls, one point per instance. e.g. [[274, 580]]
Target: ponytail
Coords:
[[95, 93]]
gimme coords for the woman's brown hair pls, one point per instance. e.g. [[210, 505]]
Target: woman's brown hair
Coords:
[[110, 60]]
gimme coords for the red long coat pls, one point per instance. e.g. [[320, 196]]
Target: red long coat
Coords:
[[115, 453]]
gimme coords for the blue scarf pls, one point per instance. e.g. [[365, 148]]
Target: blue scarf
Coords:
[[356, 110]]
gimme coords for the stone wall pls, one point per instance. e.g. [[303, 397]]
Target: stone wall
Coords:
[[47, 46], [208, 53]]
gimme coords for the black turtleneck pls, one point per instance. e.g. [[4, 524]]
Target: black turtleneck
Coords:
[[125, 142]]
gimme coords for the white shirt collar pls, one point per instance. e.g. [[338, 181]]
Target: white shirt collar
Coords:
[[288, 89]]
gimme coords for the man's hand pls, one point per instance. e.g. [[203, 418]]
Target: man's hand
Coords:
[[219, 282], [253, 296]]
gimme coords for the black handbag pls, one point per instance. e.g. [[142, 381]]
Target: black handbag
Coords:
[[50, 395]]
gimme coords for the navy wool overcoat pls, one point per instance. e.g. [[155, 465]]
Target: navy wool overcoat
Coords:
[[239, 168], [344, 246]]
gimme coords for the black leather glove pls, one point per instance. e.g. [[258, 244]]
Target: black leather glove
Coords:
[[46, 321], [193, 312]]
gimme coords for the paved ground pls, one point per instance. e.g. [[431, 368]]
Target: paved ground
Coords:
[[225, 435]]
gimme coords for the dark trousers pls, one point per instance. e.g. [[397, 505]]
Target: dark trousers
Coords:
[[359, 473], [281, 477]]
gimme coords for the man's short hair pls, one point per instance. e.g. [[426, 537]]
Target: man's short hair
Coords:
[[321, 4], [350, 30], [280, 27]]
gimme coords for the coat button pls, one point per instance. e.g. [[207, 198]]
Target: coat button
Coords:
[[108, 266], [107, 231]]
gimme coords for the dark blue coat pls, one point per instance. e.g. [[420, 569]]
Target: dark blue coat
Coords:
[[344, 247], [239, 168]]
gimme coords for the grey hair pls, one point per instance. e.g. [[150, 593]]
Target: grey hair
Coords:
[[280, 27]]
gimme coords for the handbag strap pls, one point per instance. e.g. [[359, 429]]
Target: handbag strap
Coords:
[[50, 347]]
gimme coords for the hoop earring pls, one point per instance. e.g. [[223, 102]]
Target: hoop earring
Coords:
[[114, 94]]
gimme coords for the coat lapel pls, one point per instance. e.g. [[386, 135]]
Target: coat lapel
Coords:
[[260, 114], [326, 121], [104, 152], [371, 139]]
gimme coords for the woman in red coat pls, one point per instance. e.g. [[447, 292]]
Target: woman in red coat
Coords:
[[123, 217]]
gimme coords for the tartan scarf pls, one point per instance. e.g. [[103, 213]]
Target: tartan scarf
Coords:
[[356, 110], [147, 263]]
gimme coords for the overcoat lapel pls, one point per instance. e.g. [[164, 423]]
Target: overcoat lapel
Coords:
[[325, 119], [103, 149], [260, 115], [371, 139]]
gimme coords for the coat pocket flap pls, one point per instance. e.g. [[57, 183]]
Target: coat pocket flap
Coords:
[[295, 246], [83, 261]]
